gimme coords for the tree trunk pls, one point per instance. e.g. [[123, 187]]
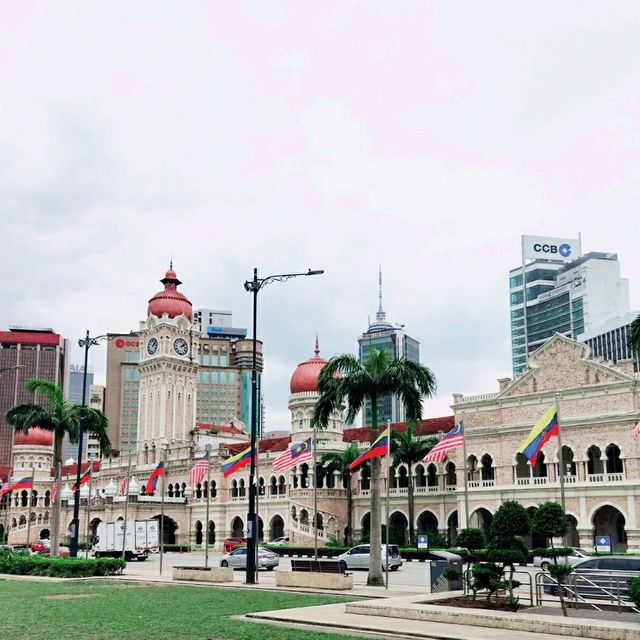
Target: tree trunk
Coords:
[[55, 513], [375, 577], [349, 536], [412, 532]]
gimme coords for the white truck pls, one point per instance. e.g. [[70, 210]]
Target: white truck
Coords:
[[140, 541]]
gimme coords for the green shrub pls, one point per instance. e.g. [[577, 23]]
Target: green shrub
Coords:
[[178, 548], [634, 591], [24, 564]]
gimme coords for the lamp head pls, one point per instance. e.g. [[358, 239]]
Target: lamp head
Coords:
[[315, 272]]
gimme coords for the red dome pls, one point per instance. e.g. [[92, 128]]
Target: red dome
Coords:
[[36, 436], [305, 377], [170, 301]]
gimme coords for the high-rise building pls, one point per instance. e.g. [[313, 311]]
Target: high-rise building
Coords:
[[223, 359], [382, 334], [565, 292], [74, 396], [95, 401], [27, 353], [611, 340]]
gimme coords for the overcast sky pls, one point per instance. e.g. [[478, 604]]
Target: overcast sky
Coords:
[[423, 136]]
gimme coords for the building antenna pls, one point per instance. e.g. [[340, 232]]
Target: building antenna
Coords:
[[380, 314]]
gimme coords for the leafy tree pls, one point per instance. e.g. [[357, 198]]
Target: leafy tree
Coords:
[[634, 591], [551, 522], [61, 418], [339, 462], [510, 523], [344, 379], [486, 575], [472, 540], [408, 449], [634, 335]]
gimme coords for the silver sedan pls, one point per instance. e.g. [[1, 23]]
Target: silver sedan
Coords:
[[237, 559]]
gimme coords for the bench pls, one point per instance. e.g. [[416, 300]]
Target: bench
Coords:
[[318, 566], [318, 574]]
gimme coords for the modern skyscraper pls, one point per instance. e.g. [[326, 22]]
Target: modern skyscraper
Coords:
[[566, 293], [382, 334], [611, 340], [74, 395], [37, 353]]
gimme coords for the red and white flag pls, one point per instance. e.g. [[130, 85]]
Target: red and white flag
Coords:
[[124, 486], [636, 431], [451, 440], [54, 490], [199, 470], [296, 454]]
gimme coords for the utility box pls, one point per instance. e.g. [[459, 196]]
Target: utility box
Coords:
[[438, 562]]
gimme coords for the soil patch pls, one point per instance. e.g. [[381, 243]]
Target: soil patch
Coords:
[[480, 603], [68, 596]]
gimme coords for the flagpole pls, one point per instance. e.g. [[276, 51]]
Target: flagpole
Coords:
[[386, 529], [33, 473], [315, 498], [7, 504], [86, 535], [466, 479], [126, 509], [164, 475], [55, 514], [256, 478], [206, 538], [561, 461]]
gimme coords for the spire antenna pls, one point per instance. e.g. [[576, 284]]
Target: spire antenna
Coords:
[[381, 316], [317, 349]]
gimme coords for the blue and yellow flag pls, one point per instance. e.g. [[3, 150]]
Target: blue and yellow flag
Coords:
[[542, 431], [232, 464]]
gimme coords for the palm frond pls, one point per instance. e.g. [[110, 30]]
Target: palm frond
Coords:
[[25, 416], [634, 336], [50, 390]]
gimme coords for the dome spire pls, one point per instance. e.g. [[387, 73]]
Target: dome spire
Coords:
[[317, 349]]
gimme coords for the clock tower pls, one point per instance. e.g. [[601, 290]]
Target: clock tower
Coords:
[[168, 368]]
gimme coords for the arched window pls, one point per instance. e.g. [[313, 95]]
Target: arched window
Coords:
[[34, 498], [145, 454], [421, 479], [214, 490], [472, 468], [261, 487], [403, 480], [450, 477], [319, 522], [47, 498], [432, 476], [282, 486], [273, 486], [539, 469], [241, 488], [304, 516], [24, 499], [393, 481], [594, 460], [170, 491], [199, 494], [614, 462], [365, 478], [523, 470], [569, 465], [487, 471], [183, 490], [234, 488]]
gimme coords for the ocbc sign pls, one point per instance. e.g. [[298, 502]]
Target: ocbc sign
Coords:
[[564, 249], [119, 342]]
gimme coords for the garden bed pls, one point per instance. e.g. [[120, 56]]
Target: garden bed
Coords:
[[481, 603]]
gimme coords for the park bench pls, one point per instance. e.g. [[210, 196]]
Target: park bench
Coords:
[[318, 566]]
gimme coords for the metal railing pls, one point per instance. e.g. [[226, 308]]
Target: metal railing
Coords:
[[525, 591]]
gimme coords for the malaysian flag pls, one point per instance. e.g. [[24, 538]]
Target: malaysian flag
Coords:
[[54, 490], [124, 486], [6, 486], [296, 454], [636, 431], [451, 440], [199, 471]]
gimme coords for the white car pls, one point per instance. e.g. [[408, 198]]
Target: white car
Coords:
[[358, 557], [237, 559], [577, 556], [280, 541]]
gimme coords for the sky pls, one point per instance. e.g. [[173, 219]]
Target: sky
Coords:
[[424, 137]]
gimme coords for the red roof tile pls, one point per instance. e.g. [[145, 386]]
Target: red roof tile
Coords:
[[223, 428], [268, 444], [428, 427], [72, 469]]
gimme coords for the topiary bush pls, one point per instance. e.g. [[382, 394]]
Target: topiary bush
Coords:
[[634, 591], [24, 564]]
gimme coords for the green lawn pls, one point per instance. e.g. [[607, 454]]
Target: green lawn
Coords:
[[113, 610]]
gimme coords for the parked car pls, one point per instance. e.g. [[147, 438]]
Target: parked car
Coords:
[[578, 555], [280, 541], [599, 577], [237, 559], [231, 543], [358, 557], [38, 545]]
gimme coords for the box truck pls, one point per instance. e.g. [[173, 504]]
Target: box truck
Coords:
[[140, 541]]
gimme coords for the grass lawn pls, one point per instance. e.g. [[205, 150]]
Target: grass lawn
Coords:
[[114, 610]]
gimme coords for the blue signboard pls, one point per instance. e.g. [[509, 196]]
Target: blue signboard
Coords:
[[603, 544], [423, 541]]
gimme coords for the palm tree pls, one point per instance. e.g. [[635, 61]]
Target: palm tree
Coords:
[[345, 379], [407, 449], [634, 336], [61, 418], [339, 462]]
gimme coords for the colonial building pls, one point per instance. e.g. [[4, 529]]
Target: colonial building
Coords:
[[599, 406]]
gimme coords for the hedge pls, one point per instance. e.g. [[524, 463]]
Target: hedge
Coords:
[[24, 564]]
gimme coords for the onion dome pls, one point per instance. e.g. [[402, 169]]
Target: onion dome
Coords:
[[66, 493], [305, 377], [36, 437], [110, 490], [134, 487], [170, 300]]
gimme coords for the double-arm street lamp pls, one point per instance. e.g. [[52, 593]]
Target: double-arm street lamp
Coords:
[[254, 286], [87, 342]]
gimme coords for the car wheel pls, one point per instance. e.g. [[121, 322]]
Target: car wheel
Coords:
[[394, 568], [96, 554], [544, 566], [343, 565], [224, 563], [269, 568]]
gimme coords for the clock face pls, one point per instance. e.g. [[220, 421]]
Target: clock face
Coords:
[[152, 346], [181, 347]]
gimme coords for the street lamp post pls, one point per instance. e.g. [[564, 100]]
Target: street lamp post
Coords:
[[254, 286], [87, 342]]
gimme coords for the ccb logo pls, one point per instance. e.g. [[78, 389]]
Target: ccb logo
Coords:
[[564, 249], [119, 342]]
